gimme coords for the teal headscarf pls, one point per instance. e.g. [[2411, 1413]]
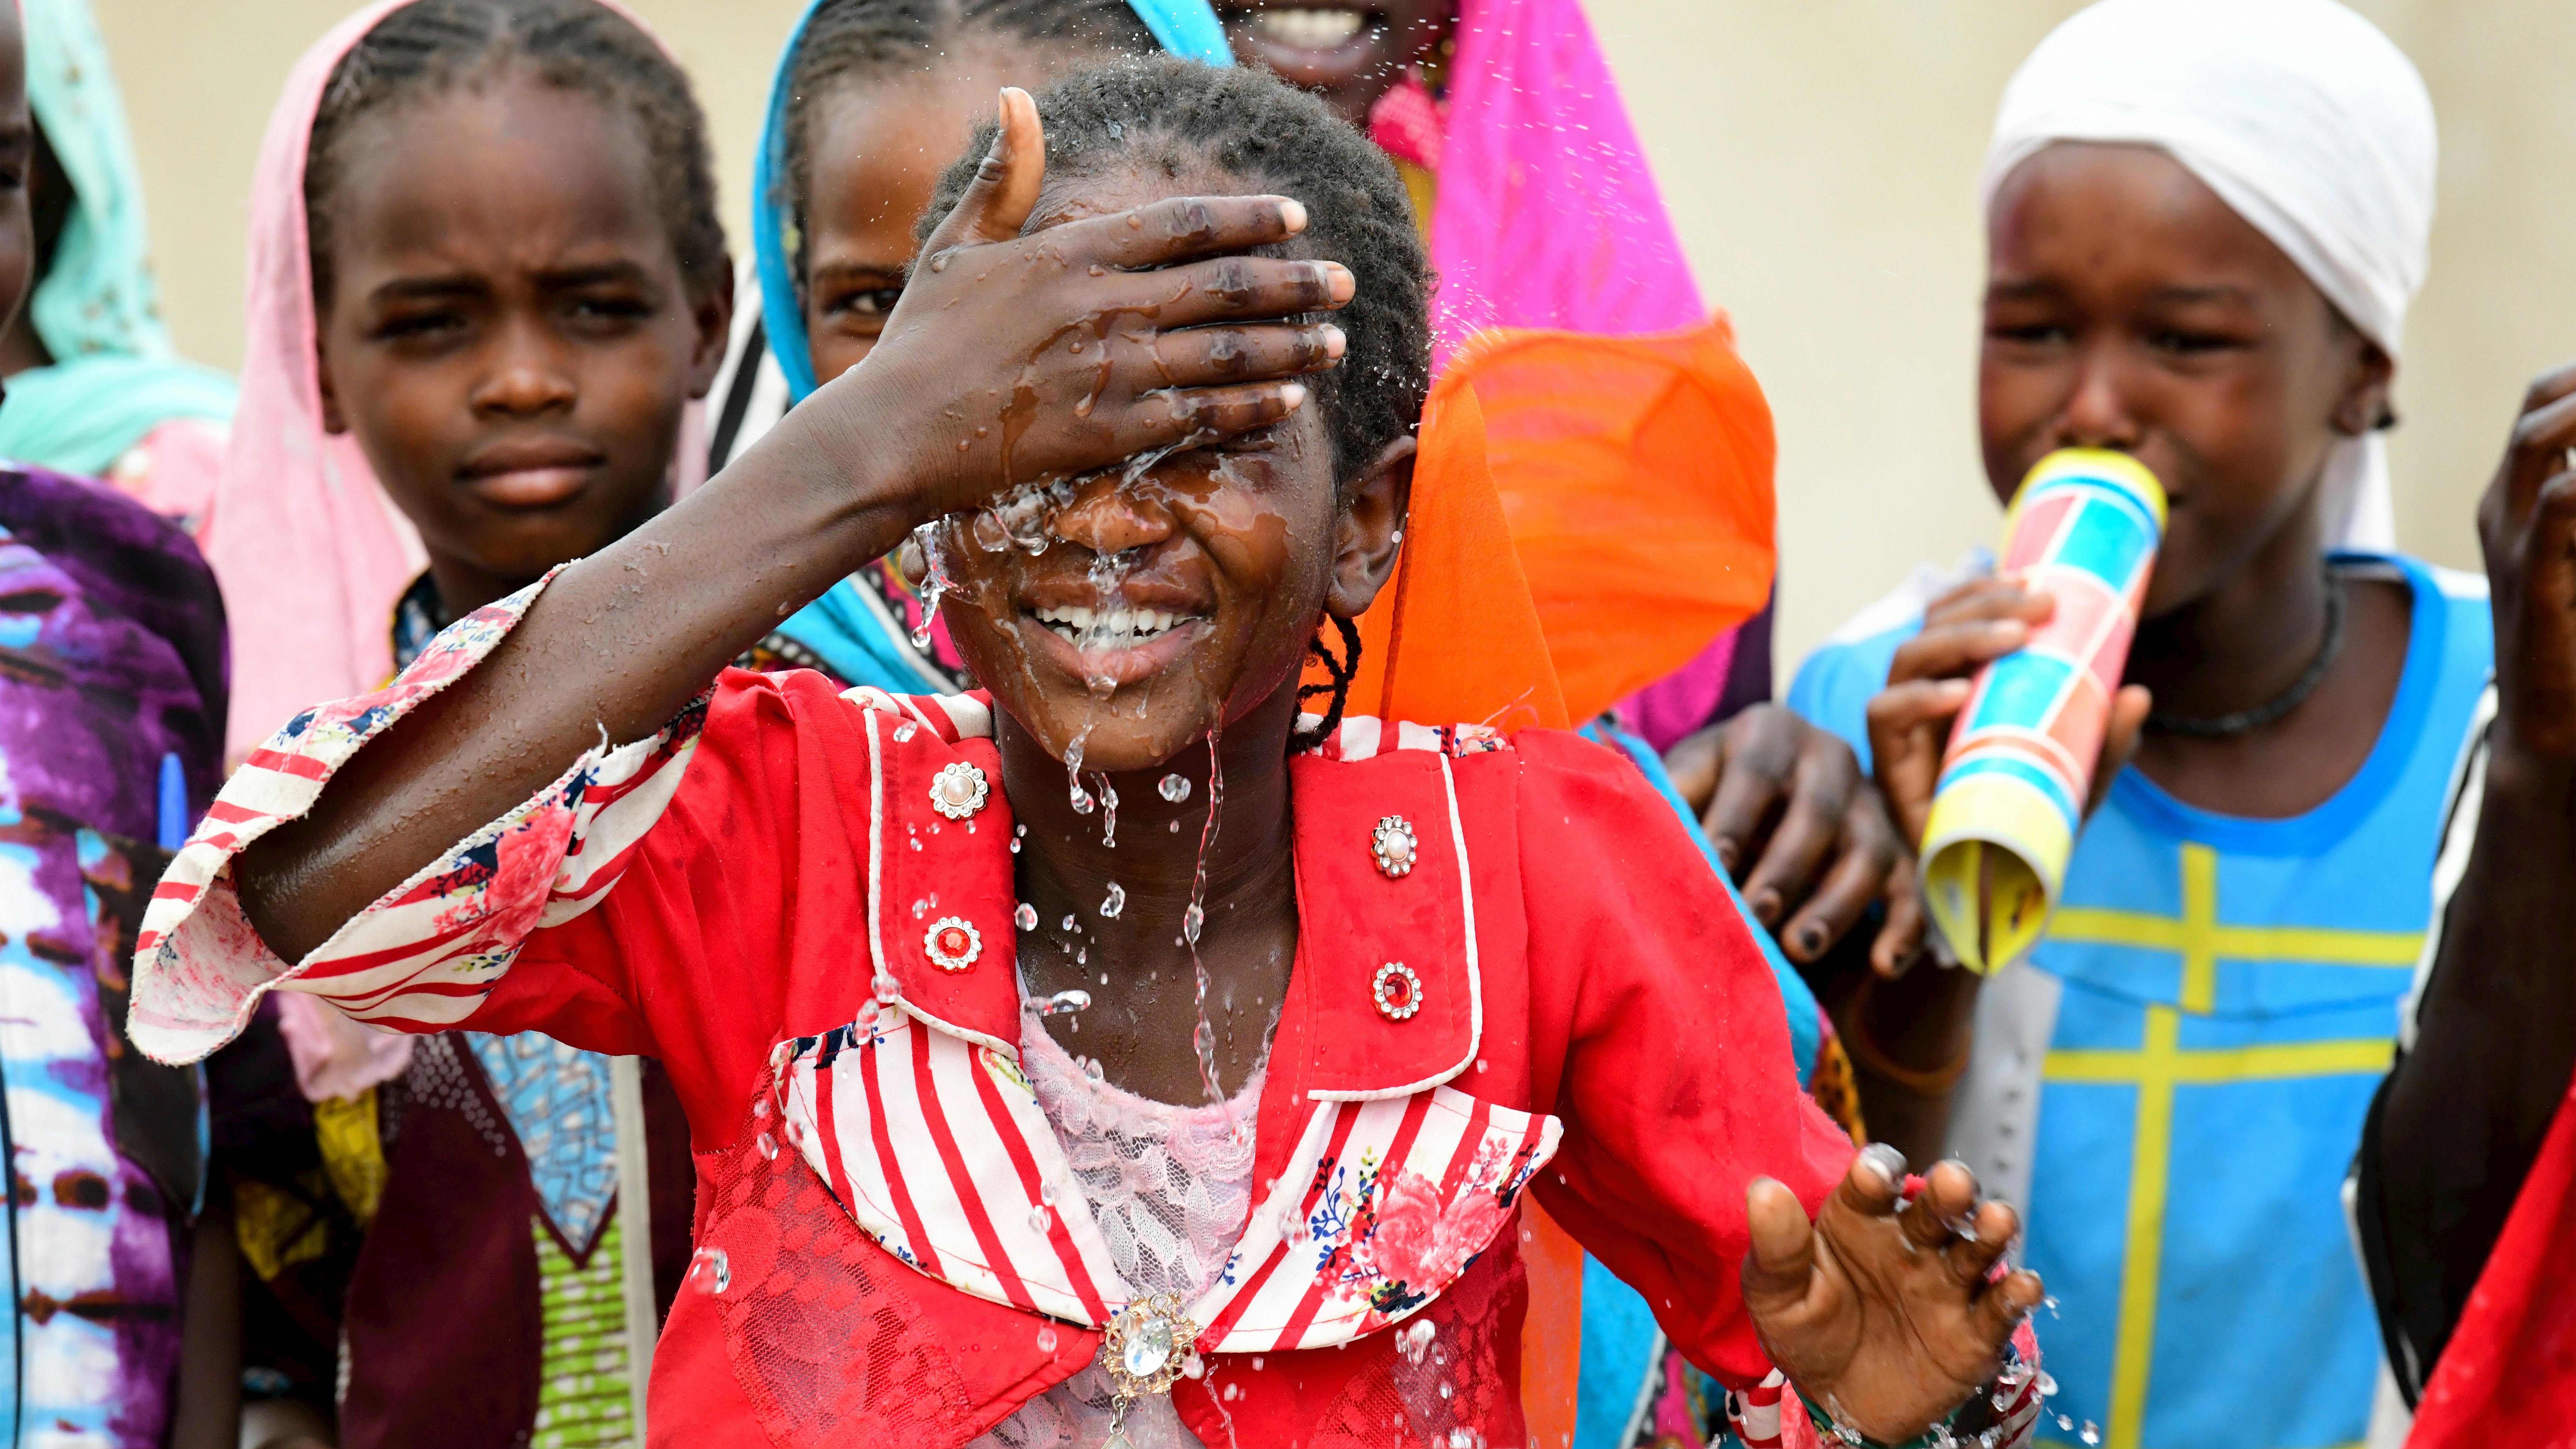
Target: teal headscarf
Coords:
[[856, 639], [115, 376]]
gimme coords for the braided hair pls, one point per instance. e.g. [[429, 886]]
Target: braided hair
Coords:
[[431, 47], [852, 40], [1171, 115]]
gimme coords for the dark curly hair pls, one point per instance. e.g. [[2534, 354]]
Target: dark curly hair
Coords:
[[1176, 116], [431, 47], [848, 40]]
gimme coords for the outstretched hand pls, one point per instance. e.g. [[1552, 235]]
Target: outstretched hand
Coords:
[[1883, 1313], [1024, 358]]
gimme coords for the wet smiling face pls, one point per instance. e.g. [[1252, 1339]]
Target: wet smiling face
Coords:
[[508, 333], [2128, 307], [1178, 595]]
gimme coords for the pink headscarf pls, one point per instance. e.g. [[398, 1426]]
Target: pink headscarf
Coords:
[[1547, 216], [311, 553]]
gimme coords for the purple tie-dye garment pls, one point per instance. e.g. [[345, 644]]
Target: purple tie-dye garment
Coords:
[[111, 661]]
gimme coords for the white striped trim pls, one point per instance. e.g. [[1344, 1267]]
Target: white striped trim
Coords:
[[853, 1096]]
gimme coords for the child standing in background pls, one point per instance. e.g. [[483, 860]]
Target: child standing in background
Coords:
[[2205, 222], [489, 279]]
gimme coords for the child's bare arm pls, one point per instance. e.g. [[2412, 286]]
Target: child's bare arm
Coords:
[[1009, 360]]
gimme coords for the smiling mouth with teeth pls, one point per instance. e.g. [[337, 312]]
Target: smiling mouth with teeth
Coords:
[[1079, 626], [1309, 28]]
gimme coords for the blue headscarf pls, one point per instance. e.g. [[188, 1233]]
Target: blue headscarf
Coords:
[[1184, 27], [115, 376]]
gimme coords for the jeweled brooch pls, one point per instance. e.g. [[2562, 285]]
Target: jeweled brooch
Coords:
[[1393, 845], [952, 943], [1397, 990], [1145, 1350], [958, 790]]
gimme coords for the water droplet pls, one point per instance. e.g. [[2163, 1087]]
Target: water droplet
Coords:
[[1116, 902], [1068, 921], [768, 1148], [888, 990], [1445, 1390], [1064, 1001], [1091, 1068], [1026, 917], [1193, 920], [709, 1269], [918, 907], [1413, 1340], [2091, 1433], [1176, 827], [904, 732], [1046, 1338], [2047, 1386], [1015, 845], [1040, 1218], [1175, 788]]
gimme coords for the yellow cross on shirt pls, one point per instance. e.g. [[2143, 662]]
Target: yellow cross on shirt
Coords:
[[2160, 1065]]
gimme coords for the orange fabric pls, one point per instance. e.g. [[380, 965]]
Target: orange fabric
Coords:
[[1635, 474], [1453, 638], [1552, 1334]]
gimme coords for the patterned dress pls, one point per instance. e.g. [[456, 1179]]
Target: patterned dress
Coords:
[[111, 718]]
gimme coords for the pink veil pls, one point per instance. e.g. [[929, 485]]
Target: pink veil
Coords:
[[310, 552], [1547, 216]]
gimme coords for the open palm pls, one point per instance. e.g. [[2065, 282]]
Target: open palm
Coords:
[[1882, 1310]]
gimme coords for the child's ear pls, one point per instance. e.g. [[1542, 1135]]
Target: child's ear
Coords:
[[711, 312], [1370, 528], [2363, 408], [333, 420]]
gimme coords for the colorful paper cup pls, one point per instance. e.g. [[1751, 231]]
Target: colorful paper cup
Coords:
[[2083, 529]]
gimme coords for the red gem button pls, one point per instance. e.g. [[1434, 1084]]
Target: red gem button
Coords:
[[1398, 991], [952, 943]]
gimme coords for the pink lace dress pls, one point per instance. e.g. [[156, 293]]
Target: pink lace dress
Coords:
[[1170, 1187]]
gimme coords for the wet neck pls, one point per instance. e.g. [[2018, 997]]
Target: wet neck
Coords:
[[2245, 641], [1142, 1017]]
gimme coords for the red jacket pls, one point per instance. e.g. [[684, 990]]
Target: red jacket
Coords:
[[868, 1259]]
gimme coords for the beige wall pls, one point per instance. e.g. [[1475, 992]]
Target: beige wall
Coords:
[[1821, 159]]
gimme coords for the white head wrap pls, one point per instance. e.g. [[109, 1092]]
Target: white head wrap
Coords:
[[2301, 115]]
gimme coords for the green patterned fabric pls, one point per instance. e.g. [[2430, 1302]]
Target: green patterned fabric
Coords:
[[583, 1375]]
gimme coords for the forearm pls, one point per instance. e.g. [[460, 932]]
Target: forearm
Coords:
[[1908, 1040], [2467, 1108], [618, 643]]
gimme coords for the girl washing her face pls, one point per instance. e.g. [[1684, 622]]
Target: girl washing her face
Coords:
[[741, 881]]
